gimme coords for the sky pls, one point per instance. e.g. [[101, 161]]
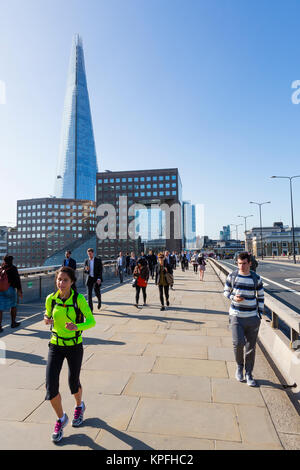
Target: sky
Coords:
[[201, 85]]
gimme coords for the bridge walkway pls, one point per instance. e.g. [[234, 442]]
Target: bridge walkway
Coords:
[[151, 379]]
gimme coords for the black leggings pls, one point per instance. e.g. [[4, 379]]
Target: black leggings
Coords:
[[195, 268], [162, 290], [56, 356], [137, 295]]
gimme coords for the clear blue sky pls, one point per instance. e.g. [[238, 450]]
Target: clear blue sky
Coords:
[[202, 85]]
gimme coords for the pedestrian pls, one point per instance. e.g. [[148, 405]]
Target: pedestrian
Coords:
[[152, 261], [245, 290], [194, 261], [93, 269], [121, 266], [10, 286], [168, 262], [201, 264], [132, 263], [141, 274], [127, 264], [68, 261], [69, 314], [162, 268], [183, 261], [253, 261]]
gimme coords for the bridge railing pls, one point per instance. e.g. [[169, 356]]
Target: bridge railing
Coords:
[[284, 351], [39, 281]]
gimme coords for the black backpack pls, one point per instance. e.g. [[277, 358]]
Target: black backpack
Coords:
[[79, 318]]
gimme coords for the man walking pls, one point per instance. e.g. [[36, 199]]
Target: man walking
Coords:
[[93, 269], [245, 290], [68, 261], [121, 265]]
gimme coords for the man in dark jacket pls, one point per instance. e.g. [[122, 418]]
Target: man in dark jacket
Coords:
[[93, 270], [68, 261], [15, 287]]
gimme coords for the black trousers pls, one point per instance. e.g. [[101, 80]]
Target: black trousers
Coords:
[[56, 356], [163, 290], [137, 295], [92, 284], [195, 268]]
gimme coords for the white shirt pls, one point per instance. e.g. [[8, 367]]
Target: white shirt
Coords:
[[91, 263]]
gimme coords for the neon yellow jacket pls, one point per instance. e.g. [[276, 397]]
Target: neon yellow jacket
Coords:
[[63, 314]]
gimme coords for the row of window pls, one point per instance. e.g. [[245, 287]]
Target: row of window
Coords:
[[138, 186], [137, 179], [140, 194], [54, 206], [49, 214], [41, 235], [56, 221], [50, 228]]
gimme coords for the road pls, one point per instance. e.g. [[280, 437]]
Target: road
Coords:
[[280, 280]]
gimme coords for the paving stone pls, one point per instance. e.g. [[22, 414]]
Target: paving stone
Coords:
[[189, 419], [256, 426], [192, 340], [191, 367], [232, 391], [180, 350], [144, 338], [221, 354], [116, 440], [19, 403], [115, 362], [169, 386]]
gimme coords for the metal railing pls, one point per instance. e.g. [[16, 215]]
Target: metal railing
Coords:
[[276, 308]]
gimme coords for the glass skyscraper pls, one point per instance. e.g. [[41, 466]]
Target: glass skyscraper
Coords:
[[77, 165]]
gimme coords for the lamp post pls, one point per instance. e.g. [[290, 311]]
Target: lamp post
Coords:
[[292, 210], [236, 229], [261, 242], [245, 218]]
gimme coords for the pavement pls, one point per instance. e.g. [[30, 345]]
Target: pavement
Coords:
[[151, 379]]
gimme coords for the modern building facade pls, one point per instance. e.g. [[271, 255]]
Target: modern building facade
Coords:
[[77, 164], [273, 241], [135, 217], [225, 233], [3, 241], [46, 225], [189, 225]]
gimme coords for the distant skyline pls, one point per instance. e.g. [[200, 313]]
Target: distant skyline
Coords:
[[204, 86]]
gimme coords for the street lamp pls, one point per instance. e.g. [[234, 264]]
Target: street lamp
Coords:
[[261, 242], [236, 229], [245, 217], [292, 210]]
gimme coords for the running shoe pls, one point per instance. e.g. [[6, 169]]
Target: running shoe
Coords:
[[58, 429], [78, 415]]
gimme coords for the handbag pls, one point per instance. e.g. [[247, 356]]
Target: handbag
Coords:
[[169, 278], [134, 282]]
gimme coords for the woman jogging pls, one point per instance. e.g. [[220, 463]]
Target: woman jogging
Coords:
[[202, 264], [69, 314], [141, 274], [161, 274]]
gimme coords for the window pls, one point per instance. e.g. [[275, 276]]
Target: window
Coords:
[[167, 193], [117, 180], [112, 180], [142, 194], [136, 194], [100, 181], [167, 178], [142, 178], [136, 179], [154, 178], [173, 177], [161, 193], [129, 180], [124, 180], [49, 206], [148, 178], [173, 185], [161, 185], [174, 193], [148, 193], [154, 193], [167, 185], [161, 178], [105, 180]]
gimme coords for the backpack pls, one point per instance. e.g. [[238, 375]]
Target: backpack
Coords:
[[4, 284], [79, 318], [255, 281]]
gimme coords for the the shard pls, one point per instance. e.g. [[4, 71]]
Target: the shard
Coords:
[[77, 164]]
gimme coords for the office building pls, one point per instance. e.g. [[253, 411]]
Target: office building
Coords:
[[77, 164], [46, 225], [135, 216]]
